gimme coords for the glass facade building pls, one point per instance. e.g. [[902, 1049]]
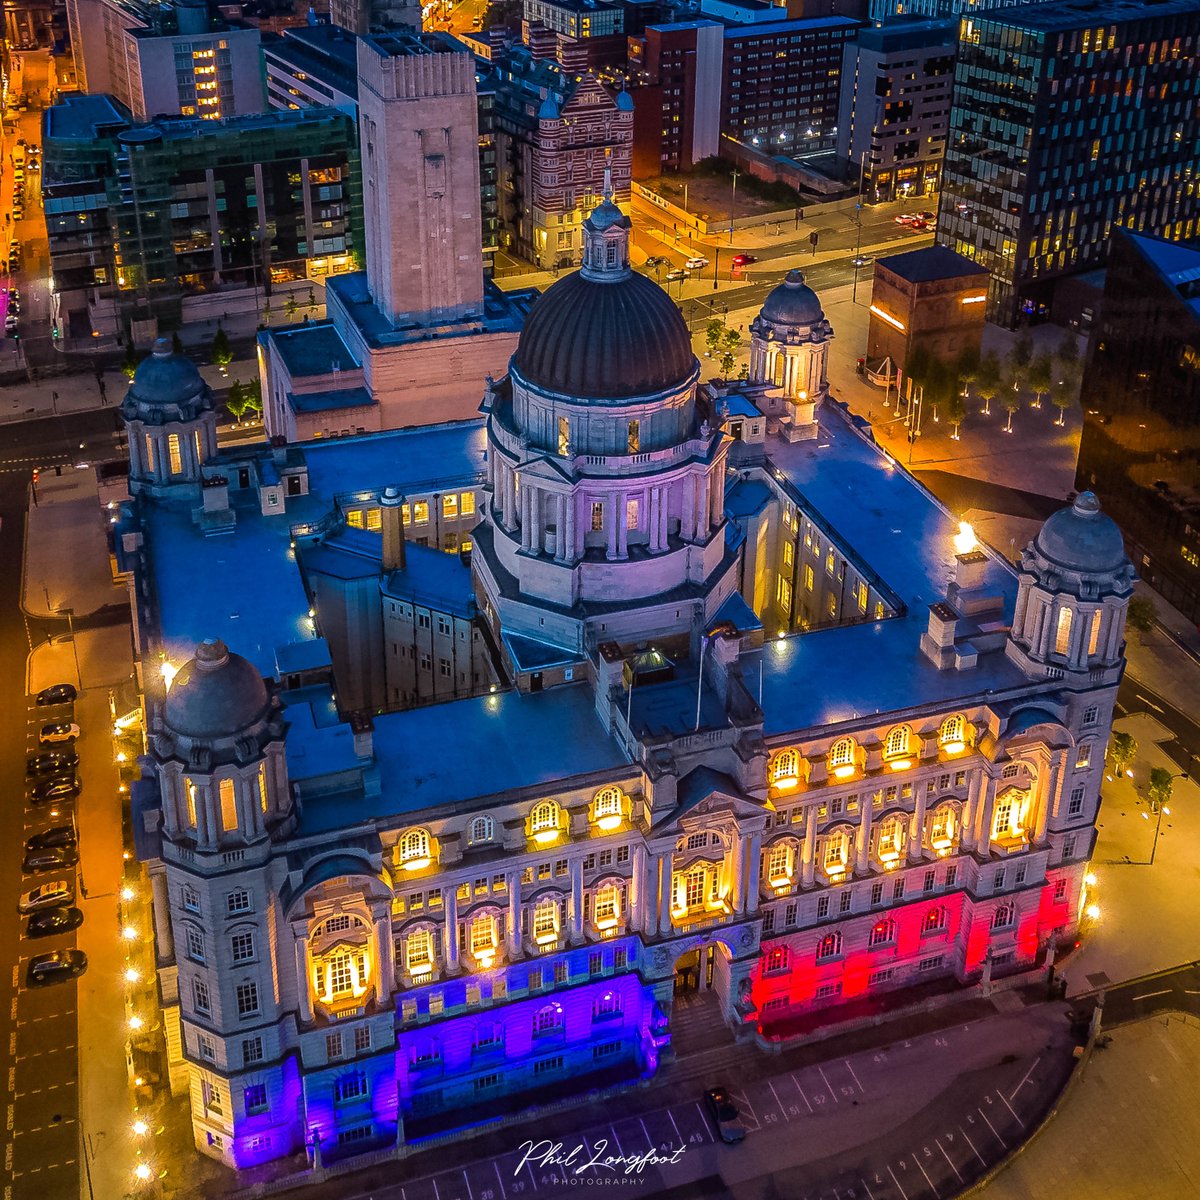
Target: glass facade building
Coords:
[[1066, 122]]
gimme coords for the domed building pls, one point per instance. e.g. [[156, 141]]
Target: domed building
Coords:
[[605, 484], [170, 419]]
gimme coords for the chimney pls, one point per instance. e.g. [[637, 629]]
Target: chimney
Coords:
[[363, 729], [970, 569], [392, 523]]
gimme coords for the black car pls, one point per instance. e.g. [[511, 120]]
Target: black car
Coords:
[[51, 858], [59, 835], [725, 1116], [59, 693], [52, 762], [56, 967], [53, 920], [57, 787]]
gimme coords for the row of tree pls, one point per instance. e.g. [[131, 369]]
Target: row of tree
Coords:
[[948, 386], [1122, 750]]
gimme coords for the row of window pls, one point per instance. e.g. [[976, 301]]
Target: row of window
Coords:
[[454, 505]]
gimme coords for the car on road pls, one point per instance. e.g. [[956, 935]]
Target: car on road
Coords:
[[57, 787], [58, 893], [58, 731], [926, 215], [56, 967], [52, 858], [52, 762], [657, 260], [725, 1116], [696, 263], [59, 693], [678, 275], [57, 835], [917, 223], [744, 260], [904, 219], [53, 920], [10, 323], [863, 260]]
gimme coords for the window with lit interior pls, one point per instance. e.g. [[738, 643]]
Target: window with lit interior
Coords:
[[414, 850], [951, 734], [841, 757], [544, 821], [1008, 816], [780, 864], [418, 952], [785, 769], [830, 946], [606, 808], [884, 933], [941, 829], [897, 743], [890, 844], [607, 906], [482, 934], [545, 920], [480, 830]]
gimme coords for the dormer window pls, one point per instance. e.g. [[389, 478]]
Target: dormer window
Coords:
[[414, 850], [606, 808], [544, 821], [841, 757], [951, 734], [785, 769], [480, 830], [896, 747]]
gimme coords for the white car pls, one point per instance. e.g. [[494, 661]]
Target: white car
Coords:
[[58, 731], [58, 893], [696, 262]]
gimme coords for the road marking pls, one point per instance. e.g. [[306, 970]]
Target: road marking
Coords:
[[821, 1072], [1013, 1094], [649, 1139], [499, 1180], [992, 1128], [972, 1145], [671, 1117], [929, 1181], [801, 1091], [1147, 702], [1009, 1107], [782, 1110], [854, 1077], [947, 1157], [467, 1181], [1151, 995], [612, 1129], [897, 1183], [870, 1194], [1190, 992]]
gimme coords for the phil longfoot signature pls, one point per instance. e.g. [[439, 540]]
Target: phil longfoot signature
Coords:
[[578, 1160]]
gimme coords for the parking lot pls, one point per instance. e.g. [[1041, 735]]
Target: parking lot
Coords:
[[847, 1129]]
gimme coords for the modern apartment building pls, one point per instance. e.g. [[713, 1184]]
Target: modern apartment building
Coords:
[[1069, 120]]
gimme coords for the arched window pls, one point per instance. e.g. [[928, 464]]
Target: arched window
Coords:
[[785, 769], [951, 734], [262, 788], [1012, 770], [543, 821], [548, 1019], [941, 830], [1094, 633], [837, 852], [897, 743], [607, 906], [1004, 916], [545, 920], [606, 807], [934, 920], [1009, 814], [890, 845], [606, 1007], [778, 958], [480, 830], [830, 946], [225, 790], [841, 757], [341, 974], [780, 864], [884, 933], [482, 934], [418, 952], [192, 796], [1062, 632], [414, 849]]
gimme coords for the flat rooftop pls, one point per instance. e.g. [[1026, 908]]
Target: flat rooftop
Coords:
[[1084, 14], [930, 264]]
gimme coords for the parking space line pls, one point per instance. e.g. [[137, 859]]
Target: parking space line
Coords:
[[499, 1180], [897, 1183], [921, 1168], [782, 1110], [650, 1142], [937, 1142], [1010, 1107], [467, 1181], [992, 1128], [613, 1130], [436, 1194], [744, 1101], [676, 1128], [821, 1071], [972, 1145], [1013, 1094], [870, 1194], [853, 1076], [803, 1095]]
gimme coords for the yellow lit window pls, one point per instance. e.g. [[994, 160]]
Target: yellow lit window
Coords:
[[891, 840], [466, 504], [543, 821], [785, 768], [789, 554], [606, 809], [174, 454], [608, 905], [354, 518], [420, 512], [229, 818], [418, 952], [783, 594], [483, 935], [779, 865], [597, 516], [1062, 635], [941, 833], [450, 505], [414, 850], [374, 519], [634, 440], [564, 437], [199, 444], [1094, 633], [841, 757], [545, 921], [808, 578], [631, 514], [262, 786], [897, 742], [837, 849], [951, 733], [149, 453], [190, 788]]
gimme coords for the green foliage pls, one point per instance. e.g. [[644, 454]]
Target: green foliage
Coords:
[[727, 364], [245, 399], [1122, 750], [235, 401], [1162, 785], [312, 300], [1141, 614], [291, 306], [129, 363], [713, 332], [1040, 376], [221, 352], [956, 409], [732, 340], [989, 377], [252, 395]]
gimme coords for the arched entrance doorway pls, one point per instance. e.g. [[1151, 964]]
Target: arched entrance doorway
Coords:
[[701, 995]]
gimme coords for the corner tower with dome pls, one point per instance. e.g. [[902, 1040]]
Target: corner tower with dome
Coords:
[[605, 513]]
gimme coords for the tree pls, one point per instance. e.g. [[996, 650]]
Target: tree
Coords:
[[1040, 377], [713, 333], [966, 367], [176, 344], [1010, 401], [235, 401], [1162, 784], [732, 340], [1141, 615], [1062, 396], [252, 397], [221, 352], [988, 379], [312, 300], [1122, 750], [1067, 353], [727, 364], [956, 411], [129, 363], [292, 306], [1017, 365]]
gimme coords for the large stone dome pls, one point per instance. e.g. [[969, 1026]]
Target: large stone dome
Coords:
[[605, 339], [793, 302], [217, 694], [1082, 538], [166, 387]]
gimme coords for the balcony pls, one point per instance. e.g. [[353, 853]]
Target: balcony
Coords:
[[1010, 843], [692, 919]]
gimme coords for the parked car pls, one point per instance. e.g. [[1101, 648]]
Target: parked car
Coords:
[[657, 260], [58, 893], [53, 920], [696, 263], [744, 260], [10, 323], [59, 693], [52, 858], [678, 274], [56, 967], [725, 1116], [58, 731], [57, 787], [57, 835], [52, 762], [917, 223]]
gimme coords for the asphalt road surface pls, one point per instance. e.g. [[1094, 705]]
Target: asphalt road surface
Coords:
[[1176, 990]]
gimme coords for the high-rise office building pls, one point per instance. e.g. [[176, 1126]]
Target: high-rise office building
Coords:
[[1069, 120]]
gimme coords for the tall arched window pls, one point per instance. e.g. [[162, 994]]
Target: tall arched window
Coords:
[[480, 830], [606, 907], [890, 845], [418, 952], [606, 808], [1004, 916], [897, 743], [262, 788], [884, 933], [414, 849], [951, 733], [543, 821], [545, 920], [785, 769], [225, 790], [1062, 631], [841, 757], [606, 1007], [548, 1019], [482, 934], [780, 864], [941, 829], [1008, 819], [830, 946], [778, 958], [192, 794], [934, 920], [1094, 633], [837, 852]]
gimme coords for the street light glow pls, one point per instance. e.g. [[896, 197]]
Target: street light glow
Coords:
[[142, 1171], [127, 894], [129, 933], [131, 975], [1093, 911], [1090, 879], [141, 1128], [965, 540]]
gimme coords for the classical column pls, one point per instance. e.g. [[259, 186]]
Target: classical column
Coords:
[[450, 928], [514, 915], [302, 981], [576, 900], [916, 830], [664, 516], [560, 527], [970, 811], [637, 889], [204, 837], [655, 512], [862, 842], [537, 532], [717, 507], [739, 877], [135, 450], [614, 520], [508, 501], [687, 525], [753, 871], [1022, 605], [161, 906], [1048, 797], [623, 529], [523, 497], [809, 860], [386, 954], [984, 842], [702, 526], [664, 893]]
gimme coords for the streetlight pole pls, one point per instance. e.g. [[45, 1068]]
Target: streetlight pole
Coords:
[[733, 205], [862, 166], [1162, 808]]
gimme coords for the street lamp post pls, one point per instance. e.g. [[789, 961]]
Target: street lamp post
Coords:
[[1162, 808], [733, 205]]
